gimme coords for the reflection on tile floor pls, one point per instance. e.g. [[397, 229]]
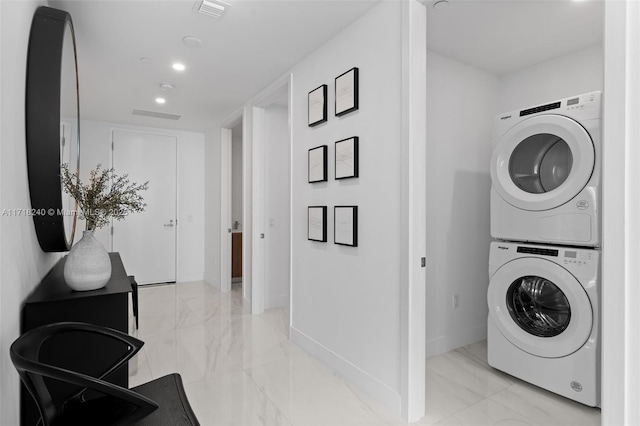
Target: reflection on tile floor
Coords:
[[241, 369]]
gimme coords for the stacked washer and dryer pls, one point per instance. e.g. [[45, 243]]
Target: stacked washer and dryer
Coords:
[[544, 265]]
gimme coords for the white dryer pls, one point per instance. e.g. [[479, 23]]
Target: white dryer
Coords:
[[545, 173], [543, 324]]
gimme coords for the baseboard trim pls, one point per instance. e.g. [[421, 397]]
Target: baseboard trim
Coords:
[[384, 394], [212, 281], [190, 277], [442, 344], [279, 301]]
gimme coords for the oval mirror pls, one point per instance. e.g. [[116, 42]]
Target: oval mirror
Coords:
[[52, 126]]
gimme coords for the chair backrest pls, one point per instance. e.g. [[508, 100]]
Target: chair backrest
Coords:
[[25, 353]]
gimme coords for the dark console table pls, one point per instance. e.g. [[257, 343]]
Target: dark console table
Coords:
[[53, 301]]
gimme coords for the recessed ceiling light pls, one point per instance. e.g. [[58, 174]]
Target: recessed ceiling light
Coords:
[[178, 66], [160, 100], [441, 4], [192, 41]]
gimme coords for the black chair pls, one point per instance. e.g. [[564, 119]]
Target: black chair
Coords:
[[159, 402]]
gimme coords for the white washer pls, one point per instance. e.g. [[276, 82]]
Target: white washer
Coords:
[[543, 324], [545, 173]]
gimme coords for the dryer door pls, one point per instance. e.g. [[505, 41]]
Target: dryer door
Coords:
[[540, 307], [542, 162]]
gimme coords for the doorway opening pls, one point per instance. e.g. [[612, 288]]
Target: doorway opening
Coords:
[[271, 272], [236, 207], [473, 88], [233, 207], [256, 201]]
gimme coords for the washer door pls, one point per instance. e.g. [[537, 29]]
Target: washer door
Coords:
[[540, 307], [542, 162]]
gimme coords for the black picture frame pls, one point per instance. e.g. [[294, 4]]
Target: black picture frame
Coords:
[[346, 158], [317, 223], [345, 225], [347, 92], [317, 164], [317, 106]]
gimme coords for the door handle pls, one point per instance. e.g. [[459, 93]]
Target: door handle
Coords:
[[169, 225]]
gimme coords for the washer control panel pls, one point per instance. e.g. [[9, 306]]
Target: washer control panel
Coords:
[[582, 262], [576, 257], [567, 256]]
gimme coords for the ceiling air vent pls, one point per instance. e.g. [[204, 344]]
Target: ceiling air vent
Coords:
[[156, 114], [213, 8]]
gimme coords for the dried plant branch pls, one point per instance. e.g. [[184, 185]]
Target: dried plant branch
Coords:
[[106, 196]]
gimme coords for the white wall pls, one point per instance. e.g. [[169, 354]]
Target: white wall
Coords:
[[22, 263], [345, 300], [191, 205], [621, 224], [212, 207], [96, 149], [461, 103], [277, 207], [236, 175], [574, 74]]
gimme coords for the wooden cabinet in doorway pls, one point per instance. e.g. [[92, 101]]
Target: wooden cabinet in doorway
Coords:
[[236, 255]]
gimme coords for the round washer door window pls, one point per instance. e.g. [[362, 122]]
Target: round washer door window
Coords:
[[542, 162], [540, 307]]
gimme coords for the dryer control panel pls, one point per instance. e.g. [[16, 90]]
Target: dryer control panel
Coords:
[[581, 107], [582, 102]]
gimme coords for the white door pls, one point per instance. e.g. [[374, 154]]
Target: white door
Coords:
[[147, 241], [543, 162]]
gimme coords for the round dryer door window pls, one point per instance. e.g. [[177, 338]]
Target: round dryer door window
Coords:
[[540, 307], [542, 162]]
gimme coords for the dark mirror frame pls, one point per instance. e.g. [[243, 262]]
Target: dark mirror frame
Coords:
[[42, 120]]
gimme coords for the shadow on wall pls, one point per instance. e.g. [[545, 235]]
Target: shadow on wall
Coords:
[[468, 257]]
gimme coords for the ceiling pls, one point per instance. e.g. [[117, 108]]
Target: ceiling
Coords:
[[256, 41], [253, 44], [504, 36]]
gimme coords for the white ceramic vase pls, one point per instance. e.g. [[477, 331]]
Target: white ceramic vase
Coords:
[[88, 266]]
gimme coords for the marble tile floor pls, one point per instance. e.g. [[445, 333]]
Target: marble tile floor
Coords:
[[241, 369]]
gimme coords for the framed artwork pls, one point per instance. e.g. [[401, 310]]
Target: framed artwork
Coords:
[[317, 106], [345, 225], [347, 92], [346, 158], [317, 223], [317, 159]]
